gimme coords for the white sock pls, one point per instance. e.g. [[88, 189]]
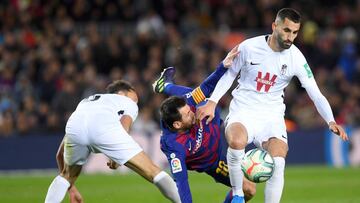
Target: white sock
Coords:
[[234, 157], [274, 186], [57, 190], [167, 186]]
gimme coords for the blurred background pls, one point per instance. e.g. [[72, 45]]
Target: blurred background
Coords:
[[54, 53]]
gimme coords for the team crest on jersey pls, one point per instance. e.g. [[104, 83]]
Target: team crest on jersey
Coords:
[[172, 155], [175, 165], [283, 69]]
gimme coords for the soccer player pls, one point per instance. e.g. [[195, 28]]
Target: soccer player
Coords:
[[256, 113], [189, 145], [100, 124]]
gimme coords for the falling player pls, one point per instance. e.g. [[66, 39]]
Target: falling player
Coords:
[[189, 145]]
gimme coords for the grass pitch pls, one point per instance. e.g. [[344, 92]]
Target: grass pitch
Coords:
[[318, 184]]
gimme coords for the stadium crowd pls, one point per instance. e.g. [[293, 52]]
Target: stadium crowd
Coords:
[[54, 53]]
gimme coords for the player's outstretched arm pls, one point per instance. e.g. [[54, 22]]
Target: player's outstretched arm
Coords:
[[126, 122], [337, 129], [229, 59], [323, 107], [207, 87]]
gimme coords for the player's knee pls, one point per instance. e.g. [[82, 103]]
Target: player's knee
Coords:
[[236, 136], [236, 142], [280, 152], [276, 147], [59, 156]]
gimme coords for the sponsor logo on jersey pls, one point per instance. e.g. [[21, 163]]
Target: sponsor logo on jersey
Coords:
[[308, 70], [261, 81], [199, 139], [283, 69], [175, 165], [253, 63], [189, 147]]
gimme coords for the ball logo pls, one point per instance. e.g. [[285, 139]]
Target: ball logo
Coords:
[[175, 165]]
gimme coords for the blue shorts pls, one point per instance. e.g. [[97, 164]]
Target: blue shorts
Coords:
[[220, 171]]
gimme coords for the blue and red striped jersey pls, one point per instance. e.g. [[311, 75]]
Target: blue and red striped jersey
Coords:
[[199, 148]]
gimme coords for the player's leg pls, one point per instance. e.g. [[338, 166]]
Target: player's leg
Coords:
[[176, 90], [166, 77], [74, 157], [236, 136], [249, 189], [62, 183], [119, 146], [221, 175], [142, 165], [74, 194], [165, 84], [274, 186]]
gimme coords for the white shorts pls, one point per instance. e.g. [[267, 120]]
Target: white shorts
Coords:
[[260, 126], [100, 135]]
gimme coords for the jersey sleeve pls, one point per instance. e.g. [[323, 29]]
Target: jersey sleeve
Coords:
[[308, 82], [205, 89], [131, 109], [302, 70], [228, 78], [176, 157]]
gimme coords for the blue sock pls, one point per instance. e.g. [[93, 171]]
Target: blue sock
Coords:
[[228, 197]]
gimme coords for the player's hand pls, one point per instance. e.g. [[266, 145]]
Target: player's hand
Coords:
[[112, 164], [208, 110], [337, 129], [228, 61], [74, 195]]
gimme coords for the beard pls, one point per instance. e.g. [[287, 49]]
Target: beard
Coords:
[[187, 126], [284, 44]]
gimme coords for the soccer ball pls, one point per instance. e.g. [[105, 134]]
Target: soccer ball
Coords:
[[257, 165]]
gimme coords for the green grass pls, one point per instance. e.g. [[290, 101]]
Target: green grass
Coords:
[[302, 185]]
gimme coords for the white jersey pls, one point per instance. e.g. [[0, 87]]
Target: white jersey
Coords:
[[95, 127], [113, 106], [264, 74]]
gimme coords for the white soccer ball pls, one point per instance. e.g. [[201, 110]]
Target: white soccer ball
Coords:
[[257, 165]]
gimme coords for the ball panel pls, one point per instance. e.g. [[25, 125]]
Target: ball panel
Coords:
[[257, 165]]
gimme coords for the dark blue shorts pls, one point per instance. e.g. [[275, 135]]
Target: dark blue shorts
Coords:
[[220, 171]]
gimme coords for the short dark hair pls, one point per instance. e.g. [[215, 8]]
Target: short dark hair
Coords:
[[290, 14], [119, 85], [169, 111]]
